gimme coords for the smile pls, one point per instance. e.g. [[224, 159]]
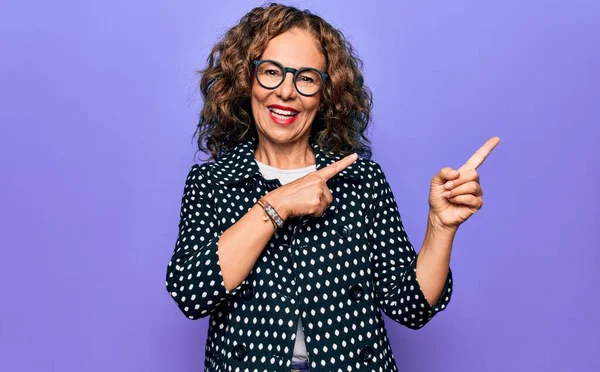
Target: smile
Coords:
[[284, 116], [284, 113]]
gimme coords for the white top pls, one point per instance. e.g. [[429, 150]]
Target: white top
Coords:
[[286, 176]]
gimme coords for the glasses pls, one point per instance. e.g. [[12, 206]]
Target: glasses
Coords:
[[270, 74]]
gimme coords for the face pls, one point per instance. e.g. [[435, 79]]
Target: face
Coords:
[[282, 115]]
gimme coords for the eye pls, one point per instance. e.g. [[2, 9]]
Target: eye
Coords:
[[306, 79], [272, 72]]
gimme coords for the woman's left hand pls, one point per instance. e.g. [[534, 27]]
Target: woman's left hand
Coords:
[[455, 195]]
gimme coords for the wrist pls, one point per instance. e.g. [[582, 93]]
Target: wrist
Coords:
[[435, 225], [277, 202]]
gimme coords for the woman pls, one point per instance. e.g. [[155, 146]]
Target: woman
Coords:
[[289, 241]]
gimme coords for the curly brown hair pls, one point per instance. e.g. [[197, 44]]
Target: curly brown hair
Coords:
[[226, 117]]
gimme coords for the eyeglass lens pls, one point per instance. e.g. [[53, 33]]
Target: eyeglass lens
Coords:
[[270, 75]]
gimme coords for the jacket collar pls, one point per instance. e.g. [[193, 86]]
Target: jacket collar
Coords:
[[238, 164]]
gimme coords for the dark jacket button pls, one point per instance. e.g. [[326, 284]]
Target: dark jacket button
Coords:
[[344, 232], [247, 291], [251, 184], [367, 353], [239, 352], [356, 292]]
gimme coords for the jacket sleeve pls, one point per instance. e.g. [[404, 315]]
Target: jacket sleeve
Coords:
[[394, 262], [194, 278]]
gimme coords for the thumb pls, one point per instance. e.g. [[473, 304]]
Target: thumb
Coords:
[[445, 175]]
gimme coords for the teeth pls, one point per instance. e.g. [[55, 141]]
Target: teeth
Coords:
[[282, 117], [282, 112]]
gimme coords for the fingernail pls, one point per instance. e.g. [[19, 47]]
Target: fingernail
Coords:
[[446, 194], [449, 184]]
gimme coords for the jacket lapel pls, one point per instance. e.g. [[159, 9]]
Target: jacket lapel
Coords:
[[238, 164]]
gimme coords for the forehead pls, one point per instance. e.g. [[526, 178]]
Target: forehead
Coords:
[[295, 48]]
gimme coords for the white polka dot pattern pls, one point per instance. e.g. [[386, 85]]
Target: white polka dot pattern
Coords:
[[338, 271]]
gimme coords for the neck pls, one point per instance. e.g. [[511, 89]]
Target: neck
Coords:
[[291, 155]]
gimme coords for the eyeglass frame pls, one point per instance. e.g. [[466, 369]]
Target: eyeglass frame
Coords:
[[324, 76]]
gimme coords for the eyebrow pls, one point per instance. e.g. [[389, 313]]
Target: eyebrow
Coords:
[[297, 68]]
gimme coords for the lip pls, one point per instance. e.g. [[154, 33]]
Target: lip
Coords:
[[280, 121], [287, 108]]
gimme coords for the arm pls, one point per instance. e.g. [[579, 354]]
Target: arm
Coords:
[[455, 196], [434, 259], [207, 267], [397, 289]]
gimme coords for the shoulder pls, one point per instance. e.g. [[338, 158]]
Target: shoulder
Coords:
[[228, 167], [199, 171], [373, 177], [200, 177], [369, 169]]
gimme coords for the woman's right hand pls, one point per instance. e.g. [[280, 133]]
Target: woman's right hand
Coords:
[[308, 195]]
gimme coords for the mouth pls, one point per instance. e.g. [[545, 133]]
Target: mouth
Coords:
[[282, 114]]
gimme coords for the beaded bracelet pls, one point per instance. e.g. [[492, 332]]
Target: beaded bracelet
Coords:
[[266, 217], [271, 213]]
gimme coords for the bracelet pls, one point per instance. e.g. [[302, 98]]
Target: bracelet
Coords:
[[266, 217], [272, 213]]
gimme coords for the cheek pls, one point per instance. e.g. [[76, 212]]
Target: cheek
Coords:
[[258, 94], [312, 103]]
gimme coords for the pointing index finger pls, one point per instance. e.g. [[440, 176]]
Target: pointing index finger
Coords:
[[481, 154], [336, 167]]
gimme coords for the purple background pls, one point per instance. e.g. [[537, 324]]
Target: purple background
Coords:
[[98, 107]]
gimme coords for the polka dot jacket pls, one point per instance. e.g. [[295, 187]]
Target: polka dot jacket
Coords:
[[338, 271]]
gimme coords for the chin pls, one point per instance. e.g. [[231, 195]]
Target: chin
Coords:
[[281, 135], [281, 138], [274, 130]]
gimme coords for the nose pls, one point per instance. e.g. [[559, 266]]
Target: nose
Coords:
[[287, 90]]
